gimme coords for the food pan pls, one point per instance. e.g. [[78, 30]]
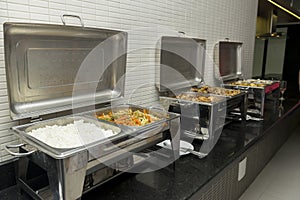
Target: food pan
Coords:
[[159, 124], [266, 85], [200, 98], [216, 91], [24, 131]]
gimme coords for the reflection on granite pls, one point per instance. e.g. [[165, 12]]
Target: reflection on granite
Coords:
[[190, 173], [13, 193]]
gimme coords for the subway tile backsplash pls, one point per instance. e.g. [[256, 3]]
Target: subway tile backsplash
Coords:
[[145, 21]]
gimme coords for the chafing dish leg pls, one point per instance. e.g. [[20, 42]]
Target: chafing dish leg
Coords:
[[66, 176], [22, 167], [259, 101], [243, 108], [262, 106], [214, 129], [175, 137], [55, 180]]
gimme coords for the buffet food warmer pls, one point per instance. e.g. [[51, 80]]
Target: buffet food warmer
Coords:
[[61, 82], [228, 59], [182, 89]]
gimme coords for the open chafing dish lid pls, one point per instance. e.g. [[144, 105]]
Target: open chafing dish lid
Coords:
[[228, 60], [182, 62], [53, 68]]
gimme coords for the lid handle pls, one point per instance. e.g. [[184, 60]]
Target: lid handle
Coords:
[[74, 16]]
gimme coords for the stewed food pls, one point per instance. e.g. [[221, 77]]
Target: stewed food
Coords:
[[128, 117], [198, 98], [216, 90], [252, 83]]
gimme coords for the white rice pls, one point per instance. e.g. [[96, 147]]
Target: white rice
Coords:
[[71, 135]]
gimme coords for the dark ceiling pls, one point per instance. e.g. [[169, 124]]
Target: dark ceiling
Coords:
[[265, 7]]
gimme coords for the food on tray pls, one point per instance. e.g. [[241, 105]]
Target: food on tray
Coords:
[[253, 83], [70, 135], [243, 83], [129, 117], [198, 98], [216, 90]]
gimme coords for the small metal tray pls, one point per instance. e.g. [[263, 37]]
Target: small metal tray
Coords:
[[266, 85], [216, 98], [239, 93], [161, 124], [219, 99], [60, 153]]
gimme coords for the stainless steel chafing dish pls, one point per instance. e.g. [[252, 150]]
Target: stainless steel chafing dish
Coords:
[[228, 58], [42, 65], [179, 75]]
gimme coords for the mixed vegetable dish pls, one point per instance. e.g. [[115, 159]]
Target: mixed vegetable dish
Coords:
[[128, 117]]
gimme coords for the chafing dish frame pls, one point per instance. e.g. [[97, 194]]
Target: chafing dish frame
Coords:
[[235, 72], [167, 87], [66, 168], [217, 112], [259, 94]]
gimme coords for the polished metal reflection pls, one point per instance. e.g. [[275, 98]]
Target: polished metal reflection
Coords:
[[42, 62], [186, 57]]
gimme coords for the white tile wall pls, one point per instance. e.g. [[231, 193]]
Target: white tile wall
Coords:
[[145, 21]]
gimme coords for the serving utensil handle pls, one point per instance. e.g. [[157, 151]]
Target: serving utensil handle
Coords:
[[13, 146], [196, 153]]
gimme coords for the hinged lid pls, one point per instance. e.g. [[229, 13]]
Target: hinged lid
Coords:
[[53, 68], [228, 59], [181, 63]]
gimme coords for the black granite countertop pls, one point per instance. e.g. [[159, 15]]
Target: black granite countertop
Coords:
[[190, 173]]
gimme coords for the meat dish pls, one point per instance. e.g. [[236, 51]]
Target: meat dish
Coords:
[[216, 90], [198, 98], [252, 83]]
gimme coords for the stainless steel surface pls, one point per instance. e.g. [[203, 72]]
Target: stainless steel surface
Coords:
[[197, 115], [167, 121], [162, 116], [195, 111], [43, 62], [66, 176], [184, 102], [182, 63], [74, 16], [59, 153], [182, 67], [67, 168], [72, 175], [66, 173], [8, 147], [257, 94], [102, 147], [218, 98], [228, 59]]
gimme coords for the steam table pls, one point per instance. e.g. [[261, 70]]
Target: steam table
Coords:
[[195, 178]]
